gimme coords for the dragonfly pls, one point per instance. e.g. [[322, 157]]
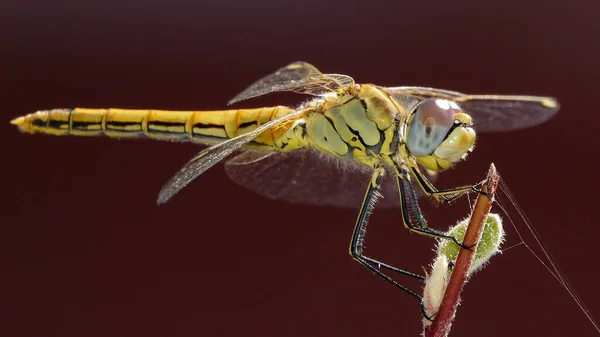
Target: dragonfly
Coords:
[[349, 137]]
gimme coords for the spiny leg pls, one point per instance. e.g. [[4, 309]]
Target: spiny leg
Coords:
[[444, 195], [409, 202], [411, 210], [358, 237]]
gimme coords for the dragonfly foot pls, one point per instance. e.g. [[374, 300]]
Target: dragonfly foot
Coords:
[[461, 245], [425, 314], [476, 189]]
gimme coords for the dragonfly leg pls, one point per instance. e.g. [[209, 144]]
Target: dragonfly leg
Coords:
[[412, 217], [358, 237], [445, 195]]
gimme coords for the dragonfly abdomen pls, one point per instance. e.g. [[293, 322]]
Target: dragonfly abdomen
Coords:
[[206, 127], [119, 123]]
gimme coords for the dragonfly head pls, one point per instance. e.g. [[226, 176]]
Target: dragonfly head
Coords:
[[439, 134]]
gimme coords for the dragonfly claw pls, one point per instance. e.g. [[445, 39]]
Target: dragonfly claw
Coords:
[[461, 245], [425, 314]]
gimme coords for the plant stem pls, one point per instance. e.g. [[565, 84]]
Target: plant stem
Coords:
[[445, 315]]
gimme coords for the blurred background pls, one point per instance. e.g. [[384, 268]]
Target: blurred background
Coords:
[[86, 252]]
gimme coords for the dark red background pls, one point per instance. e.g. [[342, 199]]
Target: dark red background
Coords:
[[86, 252]]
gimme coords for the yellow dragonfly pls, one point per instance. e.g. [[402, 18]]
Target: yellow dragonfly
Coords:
[[380, 139]]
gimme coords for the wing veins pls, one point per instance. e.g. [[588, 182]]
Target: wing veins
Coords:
[[299, 77], [213, 155], [491, 113]]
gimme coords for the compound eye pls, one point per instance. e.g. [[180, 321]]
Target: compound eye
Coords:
[[430, 125]]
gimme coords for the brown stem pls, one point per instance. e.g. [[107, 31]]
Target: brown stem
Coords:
[[445, 315]]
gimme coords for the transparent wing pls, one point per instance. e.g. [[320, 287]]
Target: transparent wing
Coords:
[[306, 177], [300, 77], [214, 154], [491, 113], [249, 157]]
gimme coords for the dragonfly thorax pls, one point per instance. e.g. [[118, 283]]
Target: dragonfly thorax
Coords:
[[357, 124]]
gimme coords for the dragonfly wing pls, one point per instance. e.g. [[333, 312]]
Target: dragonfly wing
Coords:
[[306, 177], [505, 113], [249, 157], [491, 113], [301, 177], [214, 154], [300, 77]]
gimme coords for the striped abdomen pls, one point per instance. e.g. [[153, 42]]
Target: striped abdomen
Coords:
[[207, 127]]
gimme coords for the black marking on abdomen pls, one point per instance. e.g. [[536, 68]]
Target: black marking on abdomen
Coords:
[[120, 126], [247, 124], [39, 123], [83, 126], [207, 126], [165, 124], [56, 124]]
